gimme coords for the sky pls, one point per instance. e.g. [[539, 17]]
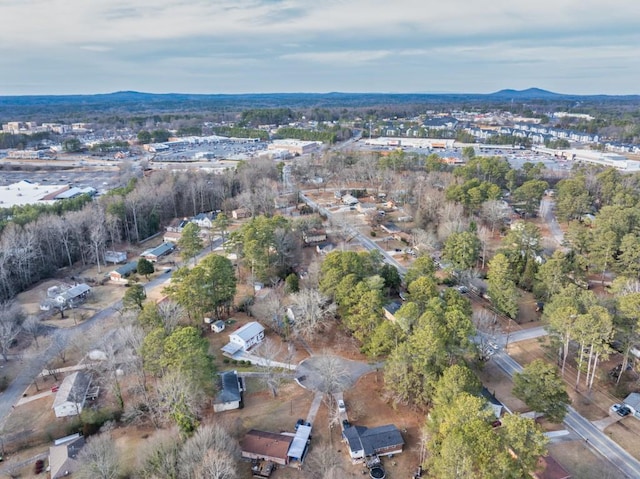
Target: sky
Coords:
[[264, 46]]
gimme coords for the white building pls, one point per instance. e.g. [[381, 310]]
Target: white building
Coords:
[[72, 394], [244, 338]]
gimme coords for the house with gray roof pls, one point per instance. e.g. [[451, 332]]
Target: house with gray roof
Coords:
[[244, 338], [230, 392], [121, 273], [377, 441], [156, 253], [72, 394], [63, 456]]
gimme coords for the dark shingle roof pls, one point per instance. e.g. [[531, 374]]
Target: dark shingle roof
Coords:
[[374, 439], [230, 390]]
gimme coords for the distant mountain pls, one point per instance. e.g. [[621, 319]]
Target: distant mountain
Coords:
[[127, 103], [528, 94]]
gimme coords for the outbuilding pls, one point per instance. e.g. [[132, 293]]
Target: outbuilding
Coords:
[[218, 326]]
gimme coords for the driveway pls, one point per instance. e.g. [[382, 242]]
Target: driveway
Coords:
[[310, 373]]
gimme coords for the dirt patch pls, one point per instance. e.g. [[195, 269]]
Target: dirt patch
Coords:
[[582, 462]]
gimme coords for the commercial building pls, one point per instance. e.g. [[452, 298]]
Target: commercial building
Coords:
[[295, 147]]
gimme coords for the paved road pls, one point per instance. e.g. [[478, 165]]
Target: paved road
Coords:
[[584, 428], [547, 208], [60, 338], [348, 372], [354, 233]]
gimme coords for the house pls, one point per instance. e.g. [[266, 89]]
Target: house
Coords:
[[365, 207], [171, 237], [204, 220], [549, 468], [230, 392], [240, 213], [63, 455], [159, 251], [381, 441], [314, 236], [633, 401], [390, 310], [218, 326], [177, 225], [244, 338], [492, 402], [390, 228], [66, 298], [266, 446], [115, 257], [120, 274], [72, 394]]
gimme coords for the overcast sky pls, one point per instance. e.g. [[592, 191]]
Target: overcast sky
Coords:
[[240, 46]]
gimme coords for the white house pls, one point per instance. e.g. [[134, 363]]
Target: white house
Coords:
[[244, 338], [72, 394], [380, 441]]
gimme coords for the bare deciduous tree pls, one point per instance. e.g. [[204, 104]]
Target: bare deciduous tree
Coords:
[[34, 327], [196, 460], [324, 462], [99, 459], [159, 457], [269, 351], [311, 310], [170, 313], [218, 465], [11, 319]]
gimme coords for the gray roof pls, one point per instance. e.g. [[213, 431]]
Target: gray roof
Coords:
[[374, 439], [73, 389], [633, 400], [127, 268], [63, 456], [230, 389], [392, 307], [299, 443], [249, 330], [159, 250], [77, 290]]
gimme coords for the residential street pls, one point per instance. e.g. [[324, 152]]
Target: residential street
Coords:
[[595, 438]]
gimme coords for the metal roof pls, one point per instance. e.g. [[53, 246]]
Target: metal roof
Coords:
[[299, 444], [374, 439], [248, 331]]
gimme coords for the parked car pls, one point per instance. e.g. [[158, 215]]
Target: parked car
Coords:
[[345, 424], [341, 406], [624, 411], [462, 289], [299, 422]]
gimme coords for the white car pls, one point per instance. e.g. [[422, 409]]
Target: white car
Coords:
[[341, 406]]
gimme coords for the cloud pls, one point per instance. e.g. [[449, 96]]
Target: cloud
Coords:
[[401, 43]]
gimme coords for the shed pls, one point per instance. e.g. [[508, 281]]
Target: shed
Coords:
[[266, 445], [218, 326], [115, 257], [230, 392], [72, 394], [314, 236], [244, 338]]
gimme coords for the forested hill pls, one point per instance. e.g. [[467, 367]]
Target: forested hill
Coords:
[[130, 102]]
